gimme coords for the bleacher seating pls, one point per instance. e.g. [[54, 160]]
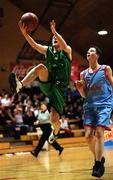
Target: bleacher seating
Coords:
[[29, 141]]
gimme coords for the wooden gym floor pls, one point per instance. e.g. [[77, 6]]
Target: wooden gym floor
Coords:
[[74, 164]]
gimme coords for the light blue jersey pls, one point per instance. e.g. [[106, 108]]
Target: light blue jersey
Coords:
[[99, 92], [98, 102]]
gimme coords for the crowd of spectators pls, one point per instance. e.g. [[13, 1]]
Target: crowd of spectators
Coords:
[[18, 113]]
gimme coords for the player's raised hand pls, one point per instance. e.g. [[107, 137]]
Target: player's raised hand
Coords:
[[22, 27], [53, 26]]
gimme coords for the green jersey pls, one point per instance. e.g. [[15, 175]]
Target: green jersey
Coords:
[[59, 67]]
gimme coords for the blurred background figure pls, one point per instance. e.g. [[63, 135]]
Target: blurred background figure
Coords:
[[65, 126], [44, 123]]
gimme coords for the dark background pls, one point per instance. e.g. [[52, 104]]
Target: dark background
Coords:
[[78, 21]]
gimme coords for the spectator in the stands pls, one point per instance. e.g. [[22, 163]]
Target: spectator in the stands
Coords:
[[29, 105], [6, 101], [9, 122], [65, 126], [20, 128], [2, 121], [36, 111], [29, 119]]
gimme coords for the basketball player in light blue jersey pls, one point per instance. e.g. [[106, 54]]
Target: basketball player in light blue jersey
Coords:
[[96, 86]]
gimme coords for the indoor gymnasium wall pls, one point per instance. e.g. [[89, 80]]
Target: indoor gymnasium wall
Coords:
[[11, 40]]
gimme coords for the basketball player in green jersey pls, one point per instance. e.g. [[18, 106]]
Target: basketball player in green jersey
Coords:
[[53, 76]]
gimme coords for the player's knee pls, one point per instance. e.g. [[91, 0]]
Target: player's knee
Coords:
[[54, 119], [39, 67], [88, 137], [54, 115], [42, 72], [99, 134]]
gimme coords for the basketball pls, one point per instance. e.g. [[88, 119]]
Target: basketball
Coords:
[[30, 20]]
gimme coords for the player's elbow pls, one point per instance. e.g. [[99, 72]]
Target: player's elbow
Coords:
[[66, 48]]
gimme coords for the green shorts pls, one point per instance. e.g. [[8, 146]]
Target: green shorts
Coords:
[[55, 93]]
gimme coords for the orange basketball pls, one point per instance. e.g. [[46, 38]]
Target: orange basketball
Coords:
[[30, 20]]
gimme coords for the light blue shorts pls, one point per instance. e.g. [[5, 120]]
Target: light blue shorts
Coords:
[[99, 116]]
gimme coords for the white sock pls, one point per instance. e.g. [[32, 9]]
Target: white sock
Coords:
[[19, 85]]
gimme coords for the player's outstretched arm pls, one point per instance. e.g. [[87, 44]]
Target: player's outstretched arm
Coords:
[[40, 48], [61, 41]]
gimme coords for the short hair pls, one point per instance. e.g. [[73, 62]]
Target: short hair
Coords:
[[98, 50]]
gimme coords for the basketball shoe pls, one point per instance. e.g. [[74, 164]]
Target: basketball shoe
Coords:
[[15, 84]]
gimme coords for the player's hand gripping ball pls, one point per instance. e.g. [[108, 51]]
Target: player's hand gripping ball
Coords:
[[30, 20]]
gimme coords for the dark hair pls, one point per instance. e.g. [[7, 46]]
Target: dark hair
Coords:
[[98, 50]]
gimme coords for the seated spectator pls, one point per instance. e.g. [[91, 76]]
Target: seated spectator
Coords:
[[6, 122], [79, 122], [2, 121], [64, 126], [29, 119], [6, 101], [20, 128], [36, 111], [9, 122], [29, 105]]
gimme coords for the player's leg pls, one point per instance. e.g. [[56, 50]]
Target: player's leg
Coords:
[[89, 118], [90, 138], [39, 71], [54, 118], [99, 145], [103, 114], [57, 146], [98, 169], [89, 124], [46, 129]]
